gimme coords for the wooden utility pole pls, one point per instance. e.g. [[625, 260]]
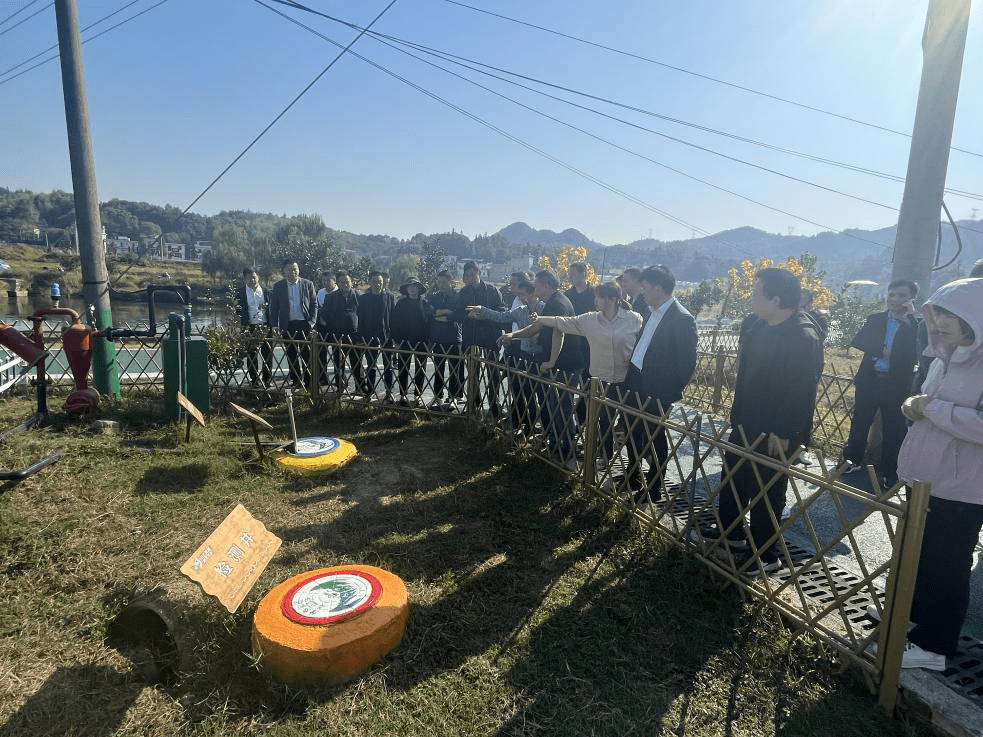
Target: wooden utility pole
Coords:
[[95, 276], [943, 44]]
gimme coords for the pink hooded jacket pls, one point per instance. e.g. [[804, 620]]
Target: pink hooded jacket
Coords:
[[946, 447]]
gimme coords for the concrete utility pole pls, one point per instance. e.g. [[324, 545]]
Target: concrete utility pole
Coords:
[[95, 277], [943, 44]]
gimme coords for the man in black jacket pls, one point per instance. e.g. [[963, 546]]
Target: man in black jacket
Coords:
[[565, 360], [481, 333], [779, 362], [338, 322], [374, 308], [883, 381], [662, 363], [445, 335]]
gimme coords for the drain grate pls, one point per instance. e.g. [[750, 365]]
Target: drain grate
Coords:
[[965, 672]]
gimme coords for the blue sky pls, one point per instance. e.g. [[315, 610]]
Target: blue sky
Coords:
[[176, 94]]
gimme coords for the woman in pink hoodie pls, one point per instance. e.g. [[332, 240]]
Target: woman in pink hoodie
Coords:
[[944, 447]]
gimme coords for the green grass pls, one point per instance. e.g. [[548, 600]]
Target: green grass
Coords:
[[536, 608]]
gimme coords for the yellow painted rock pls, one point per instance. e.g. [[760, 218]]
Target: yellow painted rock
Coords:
[[330, 624], [317, 455]]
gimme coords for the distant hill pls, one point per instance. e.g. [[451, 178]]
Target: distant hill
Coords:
[[520, 234]]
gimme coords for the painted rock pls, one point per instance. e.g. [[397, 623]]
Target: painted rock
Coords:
[[330, 624]]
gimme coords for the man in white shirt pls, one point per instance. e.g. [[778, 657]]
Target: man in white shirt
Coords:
[[252, 308], [293, 309], [662, 363]]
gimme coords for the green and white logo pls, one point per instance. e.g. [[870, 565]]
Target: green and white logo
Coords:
[[331, 597]]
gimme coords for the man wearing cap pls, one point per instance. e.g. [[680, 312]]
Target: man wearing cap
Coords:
[[409, 326]]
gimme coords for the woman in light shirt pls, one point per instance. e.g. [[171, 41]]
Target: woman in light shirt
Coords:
[[611, 333]]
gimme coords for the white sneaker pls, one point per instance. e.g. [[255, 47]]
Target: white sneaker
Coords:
[[916, 657], [850, 467]]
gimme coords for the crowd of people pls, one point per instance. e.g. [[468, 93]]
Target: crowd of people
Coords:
[[636, 338]]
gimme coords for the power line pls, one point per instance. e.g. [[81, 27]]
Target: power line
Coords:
[[460, 60], [290, 105], [55, 46], [91, 38], [18, 12], [697, 74], [515, 139], [627, 150], [296, 5], [22, 21], [464, 61]]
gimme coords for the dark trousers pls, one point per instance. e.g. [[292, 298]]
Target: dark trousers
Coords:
[[371, 363], [402, 361], [736, 496], [447, 360], [869, 396], [649, 442], [524, 412], [493, 381], [346, 352], [557, 415], [259, 353], [952, 531], [298, 353], [609, 418]]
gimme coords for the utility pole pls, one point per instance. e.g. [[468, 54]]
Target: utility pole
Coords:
[[95, 276], [943, 44]]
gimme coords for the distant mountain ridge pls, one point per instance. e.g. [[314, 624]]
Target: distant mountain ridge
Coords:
[[851, 254]]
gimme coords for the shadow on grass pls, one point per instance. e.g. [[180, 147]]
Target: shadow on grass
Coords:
[[173, 479], [82, 699]]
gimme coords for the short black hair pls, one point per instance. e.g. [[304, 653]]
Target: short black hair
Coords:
[[339, 274], [374, 274], [912, 287], [579, 266], [548, 278], [287, 262], [525, 286], [247, 271], [633, 271], [660, 276], [445, 272], [471, 266], [780, 283]]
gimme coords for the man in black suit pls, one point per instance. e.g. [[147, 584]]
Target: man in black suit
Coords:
[[252, 309], [883, 381], [662, 363], [293, 309]]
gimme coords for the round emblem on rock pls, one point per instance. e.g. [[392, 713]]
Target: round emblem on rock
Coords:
[[332, 597], [316, 446]]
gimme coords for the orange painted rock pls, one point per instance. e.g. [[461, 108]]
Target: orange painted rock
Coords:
[[330, 624]]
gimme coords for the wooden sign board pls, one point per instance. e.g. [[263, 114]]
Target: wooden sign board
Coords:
[[190, 407], [251, 416], [233, 557]]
